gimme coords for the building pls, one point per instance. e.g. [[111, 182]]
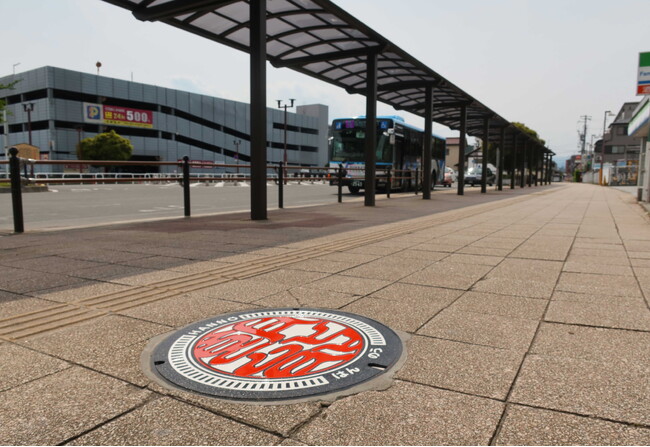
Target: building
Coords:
[[639, 129], [54, 108], [451, 152], [620, 148]]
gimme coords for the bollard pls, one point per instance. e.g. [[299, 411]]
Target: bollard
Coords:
[[417, 172], [388, 184], [186, 185], [16, 193], [340, 183], [281, 185]]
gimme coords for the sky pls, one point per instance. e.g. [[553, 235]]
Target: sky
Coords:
[[545, 63]]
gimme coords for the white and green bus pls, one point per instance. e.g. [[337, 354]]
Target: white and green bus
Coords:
[[399, 147]]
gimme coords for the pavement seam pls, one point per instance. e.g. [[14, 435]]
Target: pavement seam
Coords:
[[152, 398], [584, 415], [501, 421], [618, 231]]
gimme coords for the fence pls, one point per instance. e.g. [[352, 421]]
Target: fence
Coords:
[[278, 173]]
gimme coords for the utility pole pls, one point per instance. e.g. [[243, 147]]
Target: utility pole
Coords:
[[237, 143], [285, 107], [583, 140]]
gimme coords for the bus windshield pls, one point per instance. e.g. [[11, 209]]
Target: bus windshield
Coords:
[[348, 145]]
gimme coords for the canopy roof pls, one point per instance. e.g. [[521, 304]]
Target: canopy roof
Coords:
[[321, 40]]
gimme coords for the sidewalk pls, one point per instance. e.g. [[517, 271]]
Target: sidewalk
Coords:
[[527, 312]]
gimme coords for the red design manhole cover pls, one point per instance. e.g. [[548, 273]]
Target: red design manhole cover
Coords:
[[276, 354]]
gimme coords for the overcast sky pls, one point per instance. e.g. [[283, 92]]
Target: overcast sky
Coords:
[[544, 63]]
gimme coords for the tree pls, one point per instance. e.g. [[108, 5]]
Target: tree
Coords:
[[105, 146]]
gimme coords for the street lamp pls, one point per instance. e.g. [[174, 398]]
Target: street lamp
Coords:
[[29, 108], [602, 148], [285, 107], [237, 143]]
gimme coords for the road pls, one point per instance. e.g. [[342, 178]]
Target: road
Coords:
[[88, 205]]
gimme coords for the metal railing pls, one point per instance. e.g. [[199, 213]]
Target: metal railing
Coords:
[[20, 170]]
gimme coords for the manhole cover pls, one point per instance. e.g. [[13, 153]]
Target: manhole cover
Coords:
[[277, 354]]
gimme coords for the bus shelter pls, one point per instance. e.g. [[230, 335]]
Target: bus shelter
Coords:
[[321, 40]]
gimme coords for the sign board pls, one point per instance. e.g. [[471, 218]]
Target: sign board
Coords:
[[117, 116], [643, 79]]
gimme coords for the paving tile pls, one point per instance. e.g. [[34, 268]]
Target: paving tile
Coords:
[[427, 416], [504, 305], [515, 287], [448, 274], [242, 290], [599, 269], [485, 251], [600, 314], [123, 364], [373, 249], [348, 257], [110, 272], [169, 422], [474, 259], [533, 426], [424, 255], [316, 265], [499, 242], [306, 297], [588, 343], [199, 267], [19, 365], [599, 284], [12, 304], [290, 277], [604, 260], [528, 269], [387, 268], [405, 312], [91, 289], [27, 282], [146, 279], [472, 369], [63, 405], [594, 298], [183, 309], [276, 418], [617, 391], [486, 330], [49, 264], [349, 284], [85, 341]]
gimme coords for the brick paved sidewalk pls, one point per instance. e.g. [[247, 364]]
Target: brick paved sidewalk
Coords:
[[527, 313]]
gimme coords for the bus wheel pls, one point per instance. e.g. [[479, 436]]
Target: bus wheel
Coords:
[[353, 189]]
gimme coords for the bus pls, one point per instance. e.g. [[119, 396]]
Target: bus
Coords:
[[399, 147]]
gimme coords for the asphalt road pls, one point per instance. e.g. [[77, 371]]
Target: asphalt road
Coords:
[[88, 205]]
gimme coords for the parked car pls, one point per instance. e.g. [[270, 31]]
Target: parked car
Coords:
[[473, 176], [449, 177]]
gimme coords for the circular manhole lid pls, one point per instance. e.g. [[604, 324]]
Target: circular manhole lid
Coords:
[[277, 354]]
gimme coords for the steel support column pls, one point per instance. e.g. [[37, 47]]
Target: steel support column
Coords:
[[537, 151], [461, 150], [550, 169], [371, 128], [522, 179], [531, 159], [486, 145], [258, 108], [426, 157], [501, 158], [513, 175]]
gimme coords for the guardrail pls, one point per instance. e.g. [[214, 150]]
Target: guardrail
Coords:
[[280, 175]]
